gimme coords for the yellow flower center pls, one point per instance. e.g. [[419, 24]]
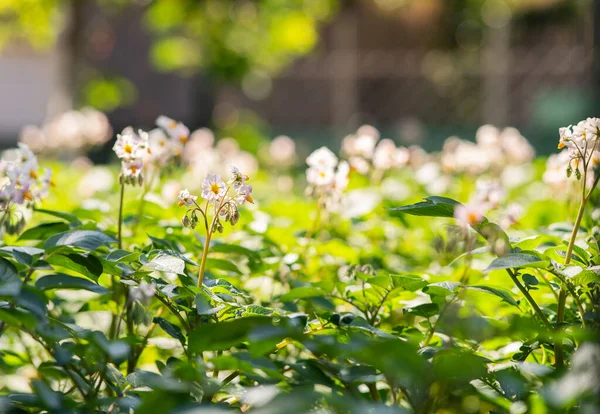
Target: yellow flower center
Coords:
[[128, 148], [183, 139], [33, 174], [133, 169], [472, 217], [172, 124], [214, 187]]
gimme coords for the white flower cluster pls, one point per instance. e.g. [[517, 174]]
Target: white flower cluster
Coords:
[[167, 141], [155, 148], [327, 178], [72, 130], [132, 148], [580, 155], [20, 183], [581, 143], [493, 150], [364, 150], [225, 196]]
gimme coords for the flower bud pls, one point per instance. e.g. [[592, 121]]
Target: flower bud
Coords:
[[186, 221], [235, 215]]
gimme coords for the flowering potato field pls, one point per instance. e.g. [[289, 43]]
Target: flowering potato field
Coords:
[[197, 277]]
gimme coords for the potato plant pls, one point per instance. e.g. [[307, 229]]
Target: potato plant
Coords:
[[396, 282]]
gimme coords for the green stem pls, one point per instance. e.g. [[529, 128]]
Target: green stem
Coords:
[[573, 293], [374, 392], [204, 256], [131, 360], [562, 295], [174, 311], [528, 296], [119, 234]]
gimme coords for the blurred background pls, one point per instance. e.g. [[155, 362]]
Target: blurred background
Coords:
[[419, 70]]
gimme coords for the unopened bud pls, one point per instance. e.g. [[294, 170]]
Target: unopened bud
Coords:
[[186, 221]]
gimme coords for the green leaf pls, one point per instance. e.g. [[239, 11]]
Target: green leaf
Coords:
[[203, 306], [44, 231], [530, 279], [224, 335], [435, 206], [61, 281], [441, 288], [50, 399], [31, 251], [167, 263], [585, 277], [302, 292], [431, 207], [122, 256], [501, 293], [426, 310], [169, 328], [408, 282], [22, 257], [10, 283], [17, 317], [517, 261], [221, 264], [87, 265], [84, 239], [33, 300], [71, 218]]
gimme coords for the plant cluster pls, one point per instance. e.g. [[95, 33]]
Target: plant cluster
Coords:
[[346, 298]]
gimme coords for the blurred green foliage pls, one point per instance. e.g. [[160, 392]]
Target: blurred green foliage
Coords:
[[229, 39], [233, 39], [109, 93], [33, 21]]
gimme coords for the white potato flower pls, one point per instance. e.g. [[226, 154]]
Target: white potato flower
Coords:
[[185, 198], [489, 192], [322, 158], [282, 150], [177, 131], [384, 155], [213, 188], [469, 214]]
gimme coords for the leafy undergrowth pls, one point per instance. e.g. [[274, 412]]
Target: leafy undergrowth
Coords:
[[392, 309]]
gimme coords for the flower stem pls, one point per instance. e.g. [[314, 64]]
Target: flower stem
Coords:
[[204, 255], [529, 298], [119, 234], [562, 295]]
